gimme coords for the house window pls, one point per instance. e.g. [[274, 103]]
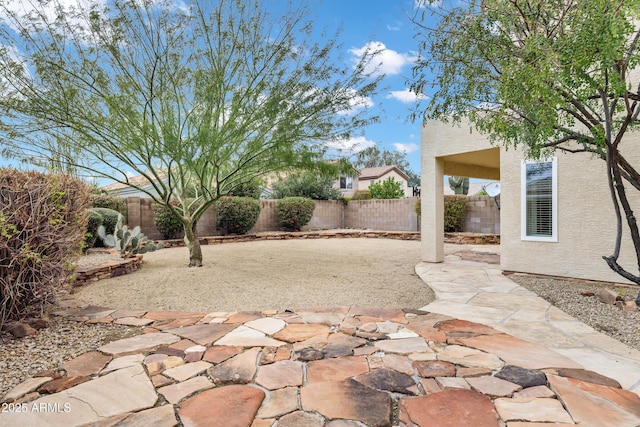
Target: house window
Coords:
[[346, 183], [540, 201]]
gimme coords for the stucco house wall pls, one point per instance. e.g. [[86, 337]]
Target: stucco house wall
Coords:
[[586, 219]]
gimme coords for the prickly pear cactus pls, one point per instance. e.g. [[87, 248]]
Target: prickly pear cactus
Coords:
[[128, 242]]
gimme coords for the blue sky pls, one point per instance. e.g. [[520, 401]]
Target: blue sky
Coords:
[[383, 25]]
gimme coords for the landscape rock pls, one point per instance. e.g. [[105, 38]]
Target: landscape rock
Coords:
[[607, 295], [521, 376]]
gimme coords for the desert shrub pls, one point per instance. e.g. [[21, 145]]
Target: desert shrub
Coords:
[[237, 214], [94, 221], [455, 212], [166, 221], [109, 220], [251, 189], [43, 221], [294, 212], [417, 207], [101, 199], [387, 189], [306, 184], [361, 195]]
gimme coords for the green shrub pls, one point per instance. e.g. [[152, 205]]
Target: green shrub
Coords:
[[361, 195], [295, 212], [455, 212], [43, 221], [307, 185], [237, 214], [166, 221], [387, 189], [101, 199], [109, 220], [251, 189], [95, 220], [417, 207]]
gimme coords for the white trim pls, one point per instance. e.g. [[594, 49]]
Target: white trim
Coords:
[[554, 202]]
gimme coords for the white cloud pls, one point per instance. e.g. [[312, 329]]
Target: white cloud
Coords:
[[351, 145], [383, 60], [406, 148], [421, 4], [406, 96]]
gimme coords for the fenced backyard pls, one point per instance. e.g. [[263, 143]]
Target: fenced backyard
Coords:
[[483, 216]]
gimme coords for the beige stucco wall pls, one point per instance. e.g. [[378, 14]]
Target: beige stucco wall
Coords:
[[586, 220], [451, 150]]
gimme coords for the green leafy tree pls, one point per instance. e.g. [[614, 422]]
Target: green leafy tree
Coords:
[[306, 184], [542, 76], [372, 157], [197, 97], [387, 189]]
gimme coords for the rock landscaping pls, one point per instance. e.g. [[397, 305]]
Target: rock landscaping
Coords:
[[330, 367]]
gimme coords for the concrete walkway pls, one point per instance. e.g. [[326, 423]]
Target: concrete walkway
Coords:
[[478, 292]]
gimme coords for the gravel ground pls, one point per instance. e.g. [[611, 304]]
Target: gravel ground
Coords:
[[275, 274], [608, 319], [62, 340]]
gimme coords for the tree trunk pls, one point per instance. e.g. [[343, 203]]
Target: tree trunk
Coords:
[[192, 242]]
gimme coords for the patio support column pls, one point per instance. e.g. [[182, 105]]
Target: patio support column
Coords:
[[432, 209]]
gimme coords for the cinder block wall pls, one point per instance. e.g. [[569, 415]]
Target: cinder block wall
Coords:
[[483, 215], [383, 215]]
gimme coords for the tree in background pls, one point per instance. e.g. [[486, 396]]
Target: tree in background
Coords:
[[194, 95], [306, 184], [372, 157], [542, 76], [387, 189]]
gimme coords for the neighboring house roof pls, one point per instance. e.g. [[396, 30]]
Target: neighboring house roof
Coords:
[[377, 172], [138, 180]]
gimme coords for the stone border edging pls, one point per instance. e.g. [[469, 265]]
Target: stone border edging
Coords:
[[107, 270]]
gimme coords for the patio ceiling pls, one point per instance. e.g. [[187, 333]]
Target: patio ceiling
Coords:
[[474, 164]]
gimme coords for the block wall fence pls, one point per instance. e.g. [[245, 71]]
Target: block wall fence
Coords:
[[382, 215]]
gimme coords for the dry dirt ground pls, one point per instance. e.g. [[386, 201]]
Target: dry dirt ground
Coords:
[[267, 275]]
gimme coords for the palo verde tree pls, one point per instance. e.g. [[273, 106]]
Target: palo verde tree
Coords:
[[541, 75], [195, 96]]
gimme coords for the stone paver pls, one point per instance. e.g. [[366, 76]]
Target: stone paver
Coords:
[[176, 392], [279, 402], [280, 374], [238, 370], [449, 408], [404, 346], [349, 400], [452, 366], [184, 372], [86, 364], [532, 410], [229, 406], [138, 343]]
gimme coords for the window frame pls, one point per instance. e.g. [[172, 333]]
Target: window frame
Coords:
[[554, 201], [348, 183]]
